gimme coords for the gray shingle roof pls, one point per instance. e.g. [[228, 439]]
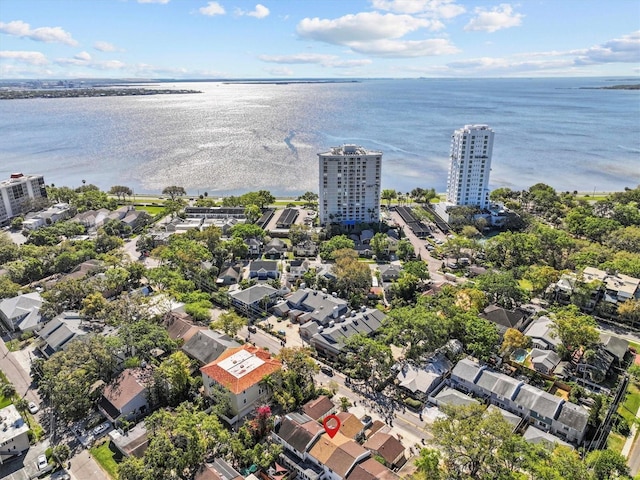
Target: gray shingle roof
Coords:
[[535, 400], [207, 345], [450, 396], [541, 329], [574, 416], [253, 294], [466, 370]]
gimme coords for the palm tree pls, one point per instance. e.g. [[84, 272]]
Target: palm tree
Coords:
[[345, 403], [7, 390]]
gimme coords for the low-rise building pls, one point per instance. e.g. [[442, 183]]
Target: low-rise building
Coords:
[[388, 447], [546, 411], [542, 334], [14, 440], [420, 380], [319, 408], [264, 270], [127, 395], [21, 313], [544, 361], [239, 371], [57, 334], [503, 318], [207, 345], [254, 299]]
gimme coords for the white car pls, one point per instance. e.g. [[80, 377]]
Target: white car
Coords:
[[42, 462], [103, 427], [33, 408]]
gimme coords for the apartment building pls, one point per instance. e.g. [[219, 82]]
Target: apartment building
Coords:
[[15, 192]]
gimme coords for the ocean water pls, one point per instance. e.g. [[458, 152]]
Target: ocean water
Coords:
[[237, 137]]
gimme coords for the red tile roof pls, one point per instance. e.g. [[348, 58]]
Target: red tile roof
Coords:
[[238, 384]]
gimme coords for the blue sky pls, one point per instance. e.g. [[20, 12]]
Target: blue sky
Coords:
[[318, 38]]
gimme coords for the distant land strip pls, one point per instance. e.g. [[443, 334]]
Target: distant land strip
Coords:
[[87, 92], [635, 86]]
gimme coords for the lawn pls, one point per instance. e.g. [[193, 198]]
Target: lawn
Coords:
[[615, 442], [150, 209], [106, 457], [5, 401], [631, 403]]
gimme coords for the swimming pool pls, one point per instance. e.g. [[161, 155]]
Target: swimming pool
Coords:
[[519, 355]]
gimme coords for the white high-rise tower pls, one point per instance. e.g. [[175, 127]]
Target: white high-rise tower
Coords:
[[349, 185], [468, 182]]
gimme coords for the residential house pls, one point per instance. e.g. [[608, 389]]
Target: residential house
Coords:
[[616, 346], [180, 326], [239, 371], [127, 395], [534, 435], [594, 367], [420, 380], [21, 313], [451, 396], [551, 413], [275, 248], [14, 440], [53, 214], [618, 288], [329, 341], [371, 469], [305, 249], [218, 469], [57, 334], [92, 218], [264, 270], [207, 345], [230, 275], [390, 272], [511, 418], [255, 299], [297, 268], [542, 334], [350, 425], [544, 361], [503, 318], [388, 447], [308, 305], [133, 442], [337, 455], [319, 408], [255, 246], [297, 433], [136, 219]]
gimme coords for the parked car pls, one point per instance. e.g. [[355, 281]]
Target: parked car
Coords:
[[252, 329], [103, 427], [33, 408], [326, 370], [42, 462]]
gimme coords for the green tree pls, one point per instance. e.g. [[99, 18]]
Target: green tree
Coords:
[[627, 238], [174, 191], [247, 230], [501, 288], [480, 336], [607, 464], [379, 244], [345, 403], [298, 233], [368, 359], [253, 213], [388, 195], [120, 191], [8, 289], [175, 372], [629, 311], [405, 250], [352, 276], [229, 322], [428, 463], [61, 453], [339, 242], [574, 329], [513, 340], [310, 199]]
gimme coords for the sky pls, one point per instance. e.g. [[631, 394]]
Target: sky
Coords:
[[193, 39]]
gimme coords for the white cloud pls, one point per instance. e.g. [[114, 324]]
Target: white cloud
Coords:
[[212, 8], [104, 46], [163, 2], [406, 48], [280, 72], [495, 19], [361, 27], [84, 56], [32, 58], [433, 8], [259, 12], [314, 58], [619, 50], [18, 28]]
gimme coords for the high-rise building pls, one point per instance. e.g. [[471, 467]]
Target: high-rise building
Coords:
[[16, 191], [468, 182], [349, 185]]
